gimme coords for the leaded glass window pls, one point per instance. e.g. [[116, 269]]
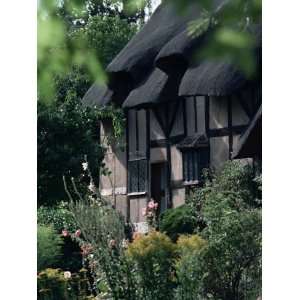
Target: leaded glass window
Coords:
[[137, 170], [137, 164], [194, 161]]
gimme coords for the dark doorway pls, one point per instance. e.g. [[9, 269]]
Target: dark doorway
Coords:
[[158, 184]]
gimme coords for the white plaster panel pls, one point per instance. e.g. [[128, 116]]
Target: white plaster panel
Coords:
[[190, 115], [156, 132], [219, 151], [239, 117], [136, 206], [201, 114], [158, 155], [176, 163], [178, 197], [218, 112], [178, 127]]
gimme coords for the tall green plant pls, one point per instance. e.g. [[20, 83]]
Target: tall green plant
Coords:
[[153, 257], [49, 245], [231, 263], [103, 240]]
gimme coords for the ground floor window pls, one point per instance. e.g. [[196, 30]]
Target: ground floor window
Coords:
[[137, 175], [194, 161]]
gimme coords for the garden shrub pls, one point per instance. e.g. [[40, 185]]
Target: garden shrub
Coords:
[[58, 216], [188, 272], [177, 221], [49, 246], [103, 245], [53, 284], [230, 265], [187, 244], [153, 256], [61, 218]]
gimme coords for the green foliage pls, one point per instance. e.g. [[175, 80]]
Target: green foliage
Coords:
[[188, 268], [58, 216], [230, 38], [52, 284], [231, 263], [66, 132], [49, 246], [59, 51], [177, 221], [103, 245], [105, 35], [153, 256]]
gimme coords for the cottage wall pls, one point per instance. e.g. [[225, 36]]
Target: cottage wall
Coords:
[[114, 186], [220, 119]]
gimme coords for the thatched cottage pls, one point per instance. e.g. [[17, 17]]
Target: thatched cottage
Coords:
[[181, 115]]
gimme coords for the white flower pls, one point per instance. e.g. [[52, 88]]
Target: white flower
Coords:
[[67, 274], [85, 166], [92, 187], [125, 244]]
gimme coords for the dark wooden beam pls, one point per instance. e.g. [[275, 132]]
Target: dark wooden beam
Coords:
[[163, 142], [195, 114], [136, 131], [206, 107], [170, 126], [244, 105], [160, 121], [230, 137], [148, 177], [169, 170], [206, 115], [184, 117], [127, 175], [225, 131]]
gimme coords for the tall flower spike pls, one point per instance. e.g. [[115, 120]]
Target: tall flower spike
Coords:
[[85, 166]]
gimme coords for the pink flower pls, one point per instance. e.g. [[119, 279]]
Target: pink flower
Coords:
[[112, 243], [65, 233], [151, 204], [144, 211], [78, 233]]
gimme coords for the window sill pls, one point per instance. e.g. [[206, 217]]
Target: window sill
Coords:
[[136, 194], [195, 182]]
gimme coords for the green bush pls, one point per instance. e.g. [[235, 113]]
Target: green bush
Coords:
[[230, 265], [58, 216], [188, 270], [49, 247], [153, 257], [176, 221], [52, 284]]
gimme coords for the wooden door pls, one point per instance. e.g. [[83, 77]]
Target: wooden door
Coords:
[[158, 184]]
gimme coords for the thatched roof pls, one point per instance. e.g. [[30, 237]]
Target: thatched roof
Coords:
[[139, 54], [97, 95], [250, 143], [211, 78], [157, 87], [179, 49], [149, 91], [164, 43], [215, 77]]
